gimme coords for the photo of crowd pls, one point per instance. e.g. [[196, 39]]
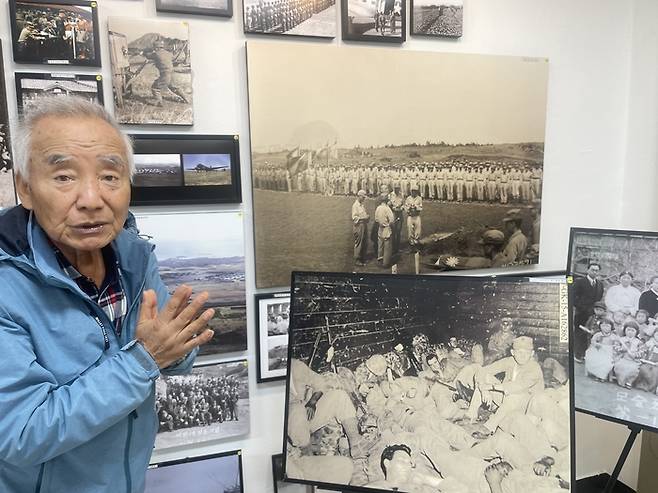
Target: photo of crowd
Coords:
[[615, 322]]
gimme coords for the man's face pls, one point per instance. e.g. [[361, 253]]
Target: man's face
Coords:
[[435, 365], [362, 198], [400, 466], [506, 324], [626, 280], [654, 283], [79, 186], [522, 355], [593, 271]]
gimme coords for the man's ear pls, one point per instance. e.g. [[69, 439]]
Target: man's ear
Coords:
[[24, 192]]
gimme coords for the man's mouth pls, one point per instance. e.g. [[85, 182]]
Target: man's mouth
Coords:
[[89, 228]]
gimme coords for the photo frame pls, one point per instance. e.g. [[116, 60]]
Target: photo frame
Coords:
[[436, 18], [215, 8], [186, 169], [378, 21], [7, 188], [209, 473], [30, 86], [298, 18], [379, 346], [223, 412], [280, 486], [614, 304], [272, 319], [55, 32]]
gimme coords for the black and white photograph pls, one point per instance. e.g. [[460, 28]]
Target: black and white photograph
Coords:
[[441, 18], [210, 403], [615, 316], [219, 8], [459, 189], [311, 18], [428, 383], [32, 86], [205, 251], [7, 191], [281, 486], [272, 319], [63, 32], [186, 169], [374, 20], [157, 170], [214, 473], [151, 71]]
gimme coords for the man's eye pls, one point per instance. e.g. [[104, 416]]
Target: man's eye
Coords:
[[63, 178], [110, 178]]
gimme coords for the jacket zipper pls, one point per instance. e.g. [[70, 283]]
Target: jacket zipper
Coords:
[[126, 457]]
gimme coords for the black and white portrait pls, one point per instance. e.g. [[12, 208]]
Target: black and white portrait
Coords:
[[314, 18], [443, 18], [374, 20], [458, 189], [615, 321], [151, 71], [31, 86], [55, 32], [273, 312], [205, 251], [416, 384], [7, 191], [157, 170], [210, 403], [221, 8]]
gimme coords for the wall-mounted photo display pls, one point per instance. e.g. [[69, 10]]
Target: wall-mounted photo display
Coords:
[[614, 296], [213, 473], [440, 18], [31, 86], [151, 71], [374, 20], [445, 383], [219, 8], [205, 251], [310, 18], [210, 403], [272, 319], [7, 190], [461, 189], [55, 32], [186, 169]]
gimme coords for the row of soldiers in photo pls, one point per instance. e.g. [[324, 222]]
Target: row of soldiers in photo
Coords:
[[456, 180], [281, 15]]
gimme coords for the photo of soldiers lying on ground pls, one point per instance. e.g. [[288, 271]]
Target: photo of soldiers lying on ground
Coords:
[[452, 385]]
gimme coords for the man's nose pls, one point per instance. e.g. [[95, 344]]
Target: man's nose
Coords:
[[89, 194]]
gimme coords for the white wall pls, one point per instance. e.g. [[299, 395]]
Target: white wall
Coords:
[[601, 118]]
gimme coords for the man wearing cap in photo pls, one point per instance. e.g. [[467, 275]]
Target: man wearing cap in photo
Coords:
[[385, 219], [586, 291], [360, 220], [396, 203], [163, 60], [523, 378], [501, 341], [413, 206], [517, 243]]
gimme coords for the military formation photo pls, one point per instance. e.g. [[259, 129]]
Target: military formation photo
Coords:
[[314, 18]]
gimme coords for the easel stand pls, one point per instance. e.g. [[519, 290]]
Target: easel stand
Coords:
[[635, 430]]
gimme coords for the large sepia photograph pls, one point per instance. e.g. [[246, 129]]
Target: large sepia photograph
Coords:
[[379, 174], [441, 18], [312, 18], [31, 87], [615, 320], [151, 71], [205, 251], [7, 191], [210, 403], [472, 387], [61, 32]]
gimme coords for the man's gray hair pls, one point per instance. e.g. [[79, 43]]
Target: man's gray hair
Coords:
[[65, 107]]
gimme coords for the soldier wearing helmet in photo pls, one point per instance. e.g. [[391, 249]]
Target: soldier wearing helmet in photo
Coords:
[[163, 59]]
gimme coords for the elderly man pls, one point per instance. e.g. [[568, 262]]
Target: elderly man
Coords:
[[86, 324]]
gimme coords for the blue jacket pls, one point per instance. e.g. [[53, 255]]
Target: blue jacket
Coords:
[[77, 403]]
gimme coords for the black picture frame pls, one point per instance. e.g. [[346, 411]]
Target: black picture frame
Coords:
[[59, 82], [350, 32], [323, 281], [45, 47], [187, 145], [449, 34], [7, 186], [253, 23], [262, 337], [573, 274], [171, 6], [179, 464]]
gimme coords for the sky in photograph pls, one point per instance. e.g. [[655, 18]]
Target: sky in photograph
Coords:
[[422, 3], [134, 28], [208, 476], [191, 160], [144, 160]]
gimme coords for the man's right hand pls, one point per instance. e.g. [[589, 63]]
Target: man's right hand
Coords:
[[176, 330]]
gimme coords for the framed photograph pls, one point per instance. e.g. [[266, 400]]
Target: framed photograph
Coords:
[[7, 190], [31, 86], [614, 298], [310, 18], [62, 32], [214, 473], [210, 403], [151, 71], [186, 169], [439, 18], [381, 21], [281, 486], [205, 251], [473, 387], [272, 319], [456, 197], [219, 8]]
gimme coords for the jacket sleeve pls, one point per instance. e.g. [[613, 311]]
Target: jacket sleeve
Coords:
[[42, 419]]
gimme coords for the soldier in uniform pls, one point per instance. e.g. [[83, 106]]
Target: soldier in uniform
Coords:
[[517, 243], [360, 220], [413, 206], [385, 218], [396, 202], [163, 60]]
